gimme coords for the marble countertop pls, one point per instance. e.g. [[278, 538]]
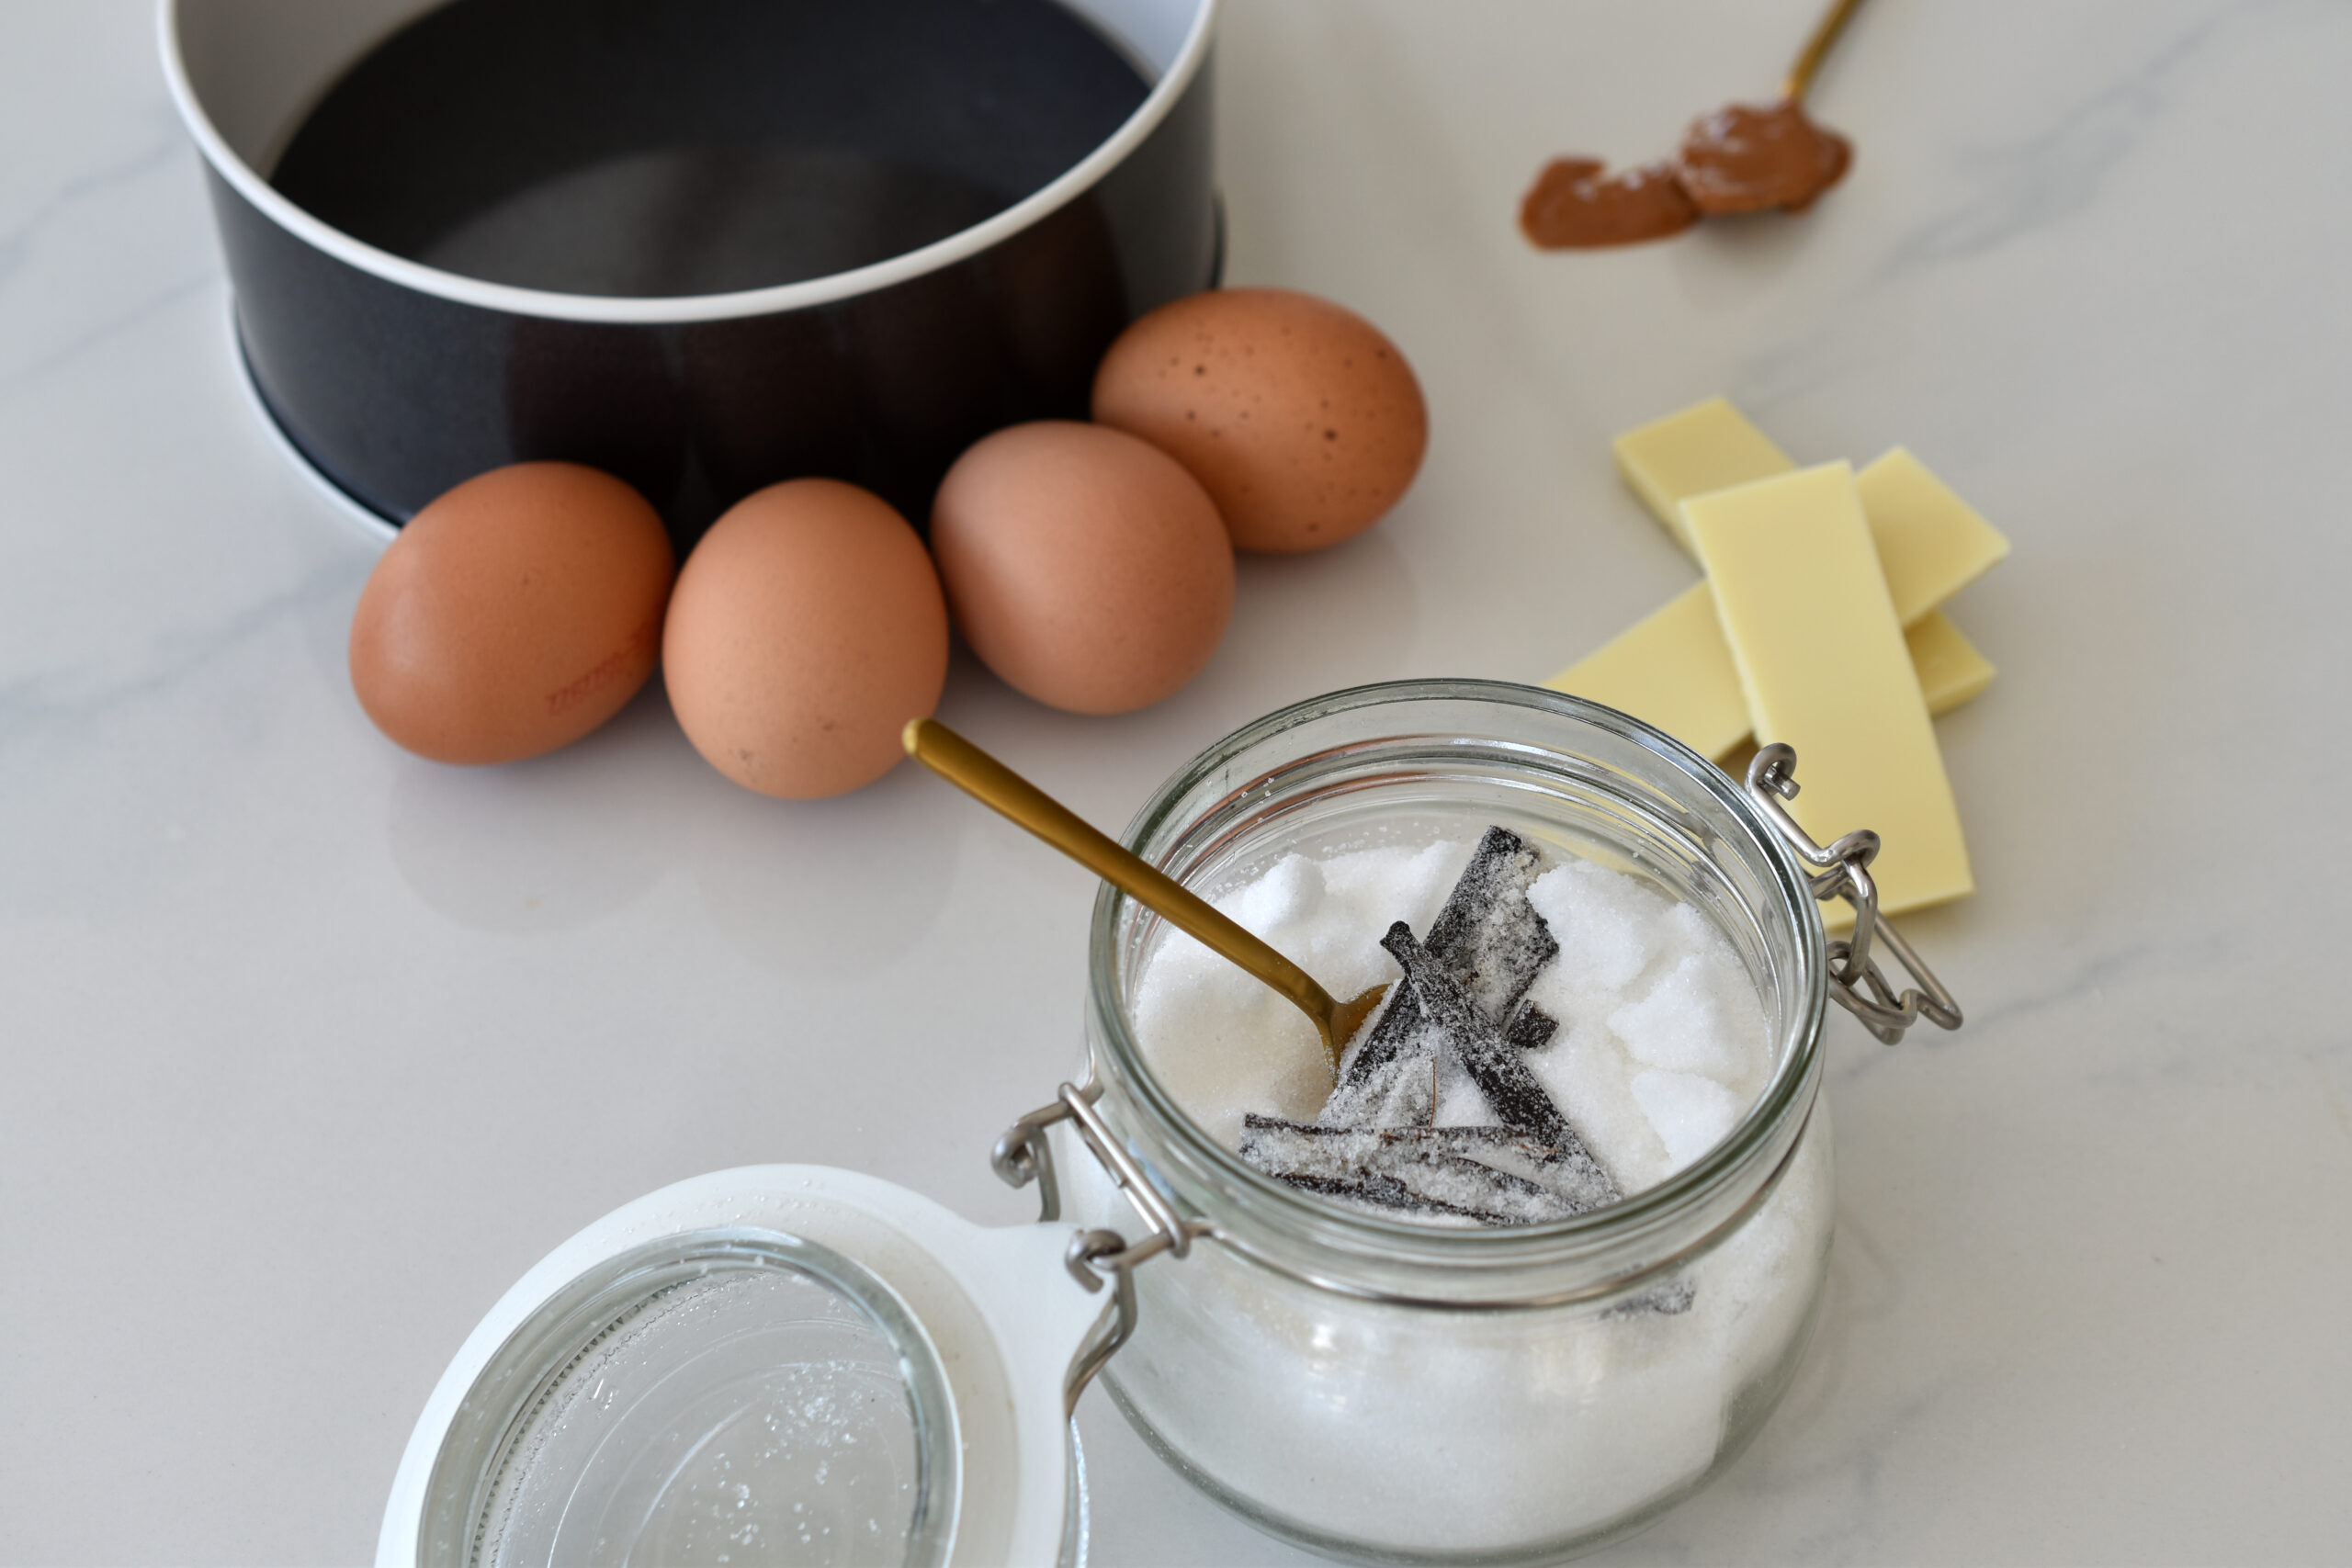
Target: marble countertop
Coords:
[[312, 1048]]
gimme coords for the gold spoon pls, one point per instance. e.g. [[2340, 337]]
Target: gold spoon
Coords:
[[993, 784], [1817, 49]]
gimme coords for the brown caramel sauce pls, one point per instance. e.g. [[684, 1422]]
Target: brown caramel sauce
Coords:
[[1741, 158], [1573, 204], [1744, 159]]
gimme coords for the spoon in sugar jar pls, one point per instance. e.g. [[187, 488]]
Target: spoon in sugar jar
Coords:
[[1741, 158], [993, 784]]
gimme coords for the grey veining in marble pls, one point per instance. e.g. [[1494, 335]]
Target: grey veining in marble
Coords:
[[312, 1048]]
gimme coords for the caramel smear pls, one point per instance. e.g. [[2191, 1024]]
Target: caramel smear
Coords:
[[1746, 159], [1742, 158], [1575, 204]]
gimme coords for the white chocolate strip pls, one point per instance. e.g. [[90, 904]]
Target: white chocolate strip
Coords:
[[1709, 445], [1930, 542], [1950, 670], [1810, 624]]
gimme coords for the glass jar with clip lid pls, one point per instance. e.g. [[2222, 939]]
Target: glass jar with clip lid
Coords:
[[1374, 1387]]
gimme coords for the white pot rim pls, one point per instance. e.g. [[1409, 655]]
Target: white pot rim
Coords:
[[547, 303]]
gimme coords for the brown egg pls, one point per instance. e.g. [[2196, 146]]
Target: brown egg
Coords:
[[1301, 420], [511, 616], [1086, 568], [807, 629]]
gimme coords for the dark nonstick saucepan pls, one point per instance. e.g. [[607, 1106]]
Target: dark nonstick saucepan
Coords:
[[704, 246]]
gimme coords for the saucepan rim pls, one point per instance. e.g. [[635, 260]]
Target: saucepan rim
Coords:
[[548, 304]]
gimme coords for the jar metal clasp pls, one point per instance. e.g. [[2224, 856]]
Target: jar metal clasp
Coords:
[[1855, 978], [1023, 1155]]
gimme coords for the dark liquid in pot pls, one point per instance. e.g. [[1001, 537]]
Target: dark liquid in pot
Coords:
[[678, 147]]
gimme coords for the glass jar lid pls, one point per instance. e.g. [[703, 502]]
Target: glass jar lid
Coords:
[[779, 1364]]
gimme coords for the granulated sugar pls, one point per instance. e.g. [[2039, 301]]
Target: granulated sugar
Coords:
[[1658, 1046]]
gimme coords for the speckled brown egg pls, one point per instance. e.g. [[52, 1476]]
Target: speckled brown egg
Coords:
[[1303, 422], [512, 614], [1085, 567], [807, 627]]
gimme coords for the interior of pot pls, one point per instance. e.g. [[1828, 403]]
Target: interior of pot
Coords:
[[632, 149]]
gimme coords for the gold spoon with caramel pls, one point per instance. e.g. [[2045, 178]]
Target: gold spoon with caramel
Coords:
[[1741, 158], [993, 784]]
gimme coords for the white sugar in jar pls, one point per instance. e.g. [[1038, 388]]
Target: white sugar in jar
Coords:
[[1660, 1039], [1372, 1384]]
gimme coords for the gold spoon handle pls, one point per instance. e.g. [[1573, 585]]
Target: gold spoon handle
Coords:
[[1817, 49], [993, 784]]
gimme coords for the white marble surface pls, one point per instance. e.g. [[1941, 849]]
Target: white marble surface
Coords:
[[312, 1048]]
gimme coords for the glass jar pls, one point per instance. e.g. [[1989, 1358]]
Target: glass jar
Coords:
[[1369, 1387]]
